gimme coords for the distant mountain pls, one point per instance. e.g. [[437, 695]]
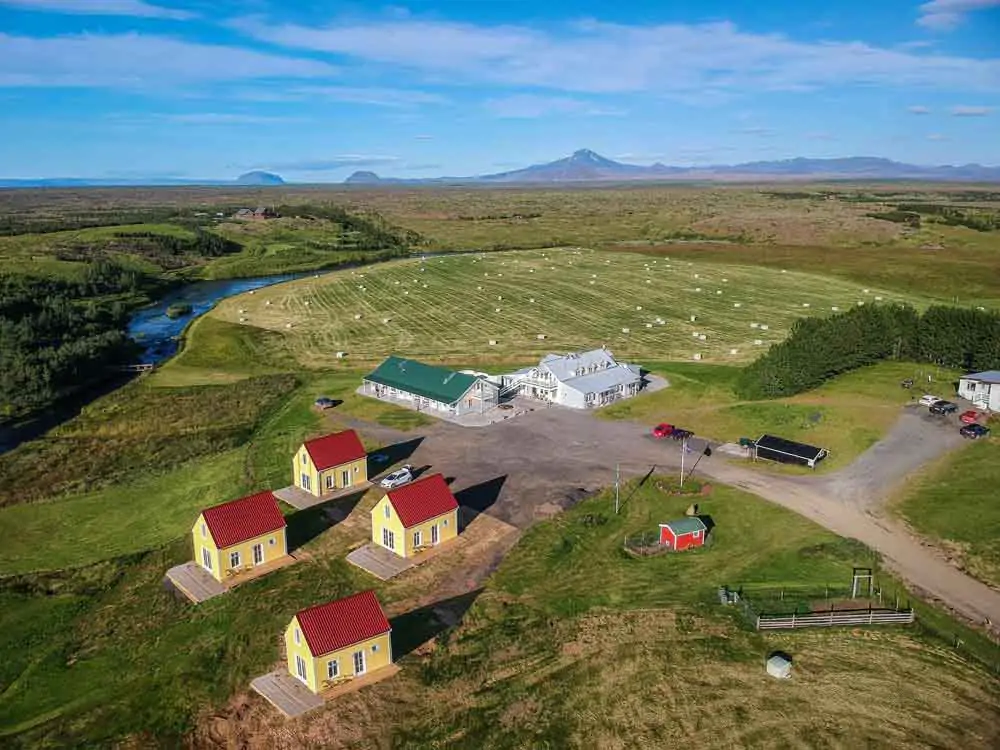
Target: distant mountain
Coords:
[[587, 166], [258, 177]]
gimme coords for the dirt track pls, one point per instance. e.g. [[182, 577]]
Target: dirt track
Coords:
[[528, 468]]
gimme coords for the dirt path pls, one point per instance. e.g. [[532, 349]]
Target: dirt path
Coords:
[[528, 468]]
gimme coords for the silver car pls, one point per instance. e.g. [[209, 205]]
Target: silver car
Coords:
[[397, 478]]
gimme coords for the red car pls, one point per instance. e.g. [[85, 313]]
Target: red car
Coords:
[[663, 430], [970, 417]]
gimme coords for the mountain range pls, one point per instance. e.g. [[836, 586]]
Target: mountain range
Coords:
[[587, 166], [249, 179]]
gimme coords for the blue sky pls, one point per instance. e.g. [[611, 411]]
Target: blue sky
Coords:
[[314, 89]]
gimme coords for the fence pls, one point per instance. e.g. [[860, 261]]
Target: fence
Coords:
[[836, 617], [768, 608]]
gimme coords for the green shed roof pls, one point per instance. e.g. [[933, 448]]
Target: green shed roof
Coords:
[[435, 383], [686, 525]]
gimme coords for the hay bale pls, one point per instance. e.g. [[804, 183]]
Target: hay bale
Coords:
[[764, 326], [500, 297], [697, 288], [386, 320], [701, 337], [734, 351], [649, 325], [288, 325], [638, 307], [267, 304], [648, 281], [497, 309], [625, 330], [242, 311], [541, 337], [693, 318], [755, 325], [243, 320], [758, 342], [697, 355], [835, 308], [341, 355], [805, 304], [591, 281], [737, 304], [532, 299], [878, 299], [357, 316], [718, 291], [493, 342]]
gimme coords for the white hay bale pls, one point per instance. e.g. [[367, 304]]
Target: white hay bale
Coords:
[[697, 276], [532, 299], [860, 303], [479, 288], [531, 270], [734, 351], [625, 330], [694, 334], [593, 275], [386, 320], [407, 291], [867, 291], [755, 325], [497, 310], [267, 304], [697, 355], [648, 281], [697, 288], [737, 304], [500, 297], [288, 325], [251, 291], [701, 337], [396, 283], [485, 274], [243, 320], [764, 326], [541, 337], [424, 286], [878, 299], [758, 342], [341, 355], [306, 303], [638, 307], [725, 281], [718, 291], [649, 325], [607, 261], [242, 311], [499, 274], [357, 317], [493, 342], [783, 270], [591, 281], [694, 318], [805, 304]]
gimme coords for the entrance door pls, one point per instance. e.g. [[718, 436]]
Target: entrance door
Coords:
[[305, 483], [206, 559], [434, 534], [258, 554], [345, 478], [300, 668], [388, 539], [359, 662]]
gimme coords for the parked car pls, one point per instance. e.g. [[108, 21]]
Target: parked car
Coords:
[[943, 407], [928, 400], [663, 430], [397, 478], [974, 431], [679, 434], [325, 403], [969, 417]]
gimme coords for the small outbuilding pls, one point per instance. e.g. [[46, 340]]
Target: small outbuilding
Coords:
[[982, 389], [338, 641], [683, 533], [785, 451], [331, 463], [237, 536], [430, 388], [415, 517], [779, 665]]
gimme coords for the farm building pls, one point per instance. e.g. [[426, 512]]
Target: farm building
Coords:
[[787, 451], [416, 516], [683, 533], [431, 388], [982, 389], [584, 380], [236, 536], [327, 464], [338, 641]]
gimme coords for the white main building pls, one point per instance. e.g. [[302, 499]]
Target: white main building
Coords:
[[581, 381]]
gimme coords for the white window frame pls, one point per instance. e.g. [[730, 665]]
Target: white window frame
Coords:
[[301, 671], [235, 555], [435, 534], [204, 531], [386, 511], [306, 482], [206, 558], [259, 547], [359, 657], [388, 539], [329, 482], [297, 636], [345, 477], [332, 669], [446, 523], [305, 459], [418, 537], [374, 648]]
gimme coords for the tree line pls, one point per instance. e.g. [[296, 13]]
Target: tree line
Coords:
[[58, 336], [166, 250], [370, 230], [819, 348]]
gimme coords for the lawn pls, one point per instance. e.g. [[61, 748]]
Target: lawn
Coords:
[[954, 503], [449, 308]]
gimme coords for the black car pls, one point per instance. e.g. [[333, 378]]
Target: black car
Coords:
[[974, 431], [943, 407]]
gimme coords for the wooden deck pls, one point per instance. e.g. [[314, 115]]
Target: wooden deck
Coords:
[[194, 582], [300, 499], [257, 571], [379, 561], [286, 693]]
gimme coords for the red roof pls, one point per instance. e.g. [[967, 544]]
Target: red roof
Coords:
[[422, 500], [342, 623], [246, 518], [335, 449]]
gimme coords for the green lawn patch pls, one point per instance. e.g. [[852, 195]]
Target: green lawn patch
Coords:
[[955, 504]]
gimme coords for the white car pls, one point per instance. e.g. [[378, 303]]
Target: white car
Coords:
[[397, 478], [928, 400]]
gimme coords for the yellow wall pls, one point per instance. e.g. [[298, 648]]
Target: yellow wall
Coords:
[[220, 558], [316, 667], [358, 471], [447, 529]]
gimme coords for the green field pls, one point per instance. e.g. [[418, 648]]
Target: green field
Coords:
[[446, 308], [955, 503]]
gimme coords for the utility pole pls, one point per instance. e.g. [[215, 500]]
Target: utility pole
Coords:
[[684, 447], [617, 486]]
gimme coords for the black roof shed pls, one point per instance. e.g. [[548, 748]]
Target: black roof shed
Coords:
[[788, 451]]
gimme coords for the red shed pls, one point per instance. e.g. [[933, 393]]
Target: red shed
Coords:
[[683, 533]]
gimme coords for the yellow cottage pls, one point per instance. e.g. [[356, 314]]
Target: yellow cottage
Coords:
[[338, 641], [239, 535], [415, 517], [330, 463]]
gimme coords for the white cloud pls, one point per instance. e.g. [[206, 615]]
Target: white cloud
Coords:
[[225, 118], [532, 105], [918, 109], [423, 137], [594, 57], [756, 130], [134, 8], [938, 137], [971, 111], [138, 61], [379, 97], [944, 15]]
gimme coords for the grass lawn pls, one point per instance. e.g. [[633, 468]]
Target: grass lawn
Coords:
[[846, 415], [955, 504], [582, 299]]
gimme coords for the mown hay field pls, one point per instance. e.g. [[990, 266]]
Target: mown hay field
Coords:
[[450, 308]]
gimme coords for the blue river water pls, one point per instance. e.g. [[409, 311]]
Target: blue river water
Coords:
[[160, 335]]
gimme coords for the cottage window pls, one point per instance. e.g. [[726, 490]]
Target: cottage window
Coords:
[[329, 481], [386, 511], [303, 459], [332, 669], [204, 531], [271, 541], [446, 522], [374, 648], [234, 559], [355, 469], [298, 637], [416, 538]]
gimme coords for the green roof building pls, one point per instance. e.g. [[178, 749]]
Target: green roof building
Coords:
[[430, 388]]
